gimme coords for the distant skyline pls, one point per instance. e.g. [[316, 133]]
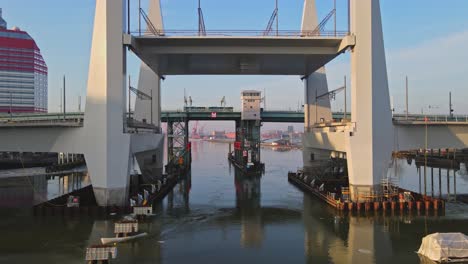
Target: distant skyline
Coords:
[[424, 39]]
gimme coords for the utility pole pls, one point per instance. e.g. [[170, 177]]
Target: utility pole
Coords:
[[200, 28], [151, 108], [139, 17], [79, 103], [129, 99], [425, 159], [64, 99], [316, 107], [345, 97], [334, 11], [406, 97], [61, 100], [277, 19], [450, 105]]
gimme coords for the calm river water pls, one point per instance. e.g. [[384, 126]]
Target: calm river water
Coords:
[[220, 216]]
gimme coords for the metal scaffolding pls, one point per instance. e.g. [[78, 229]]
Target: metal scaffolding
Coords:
[[178, 153]]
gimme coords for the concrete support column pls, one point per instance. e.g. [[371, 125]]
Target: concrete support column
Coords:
[[106, 147], [149, 82], [314, 84], [369, 144], [316, 110]]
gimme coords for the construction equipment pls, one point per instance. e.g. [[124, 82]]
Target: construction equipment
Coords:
[[223, 101]]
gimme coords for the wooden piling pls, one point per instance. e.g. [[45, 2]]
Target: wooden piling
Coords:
[[418, 205], [376, 206], [359, 206], [427, 204], [402, 206], [367, 206], [384, 206]]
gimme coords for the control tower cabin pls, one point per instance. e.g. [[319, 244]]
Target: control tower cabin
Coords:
[[251, 100]]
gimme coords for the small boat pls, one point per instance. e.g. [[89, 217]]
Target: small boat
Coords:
[[109, 240], [445, 247]]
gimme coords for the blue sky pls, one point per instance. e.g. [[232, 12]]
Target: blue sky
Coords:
[[424, 39]]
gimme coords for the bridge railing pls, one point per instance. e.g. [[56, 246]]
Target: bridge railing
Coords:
[[240, 33], [432, 118], [32, 118], [133, 126]]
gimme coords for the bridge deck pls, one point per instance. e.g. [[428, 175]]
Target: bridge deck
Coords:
[[76, 119], [185, 55], [267, 116]]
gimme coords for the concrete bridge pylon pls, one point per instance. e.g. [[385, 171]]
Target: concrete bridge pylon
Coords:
[[107, 155], [369, 143], [315, 83]]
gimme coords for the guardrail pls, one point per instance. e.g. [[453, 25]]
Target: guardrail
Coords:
[[72, 119], [240, 33], [133, 126], [432, 118]]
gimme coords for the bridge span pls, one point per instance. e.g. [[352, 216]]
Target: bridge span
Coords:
[[110, 141]]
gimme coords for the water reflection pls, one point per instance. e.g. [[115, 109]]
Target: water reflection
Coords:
[[435, 180], [221, 216], [26, 191], [248, 204]]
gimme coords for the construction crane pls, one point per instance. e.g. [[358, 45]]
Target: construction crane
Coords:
[[223, 101], [190, 101]]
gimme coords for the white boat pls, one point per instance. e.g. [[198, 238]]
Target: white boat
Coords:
[[445, 247], [109, 240]]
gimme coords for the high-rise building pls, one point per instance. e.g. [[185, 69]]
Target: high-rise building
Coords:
[[23, 72]]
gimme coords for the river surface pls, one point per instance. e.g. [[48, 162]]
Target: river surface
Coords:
[[220, 216]]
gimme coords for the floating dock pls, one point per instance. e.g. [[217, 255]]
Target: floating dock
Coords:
[[418, 203]]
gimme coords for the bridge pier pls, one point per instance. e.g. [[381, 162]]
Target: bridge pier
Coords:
[[107, 147], [315, 85], [369, 142]]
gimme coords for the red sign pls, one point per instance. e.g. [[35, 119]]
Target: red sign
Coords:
[[189, 145], [213, 114], [237, 145]]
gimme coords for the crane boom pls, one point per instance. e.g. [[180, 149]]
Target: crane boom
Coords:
[[141, 95]]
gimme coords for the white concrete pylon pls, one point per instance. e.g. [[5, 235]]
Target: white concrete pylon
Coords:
[[369, 144], [309, 16], [149, 82], [105, 146], [315, 84]]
